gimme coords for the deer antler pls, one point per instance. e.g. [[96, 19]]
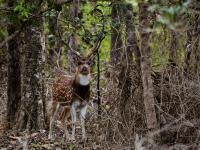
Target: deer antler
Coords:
[[71, 41], [95, 48]]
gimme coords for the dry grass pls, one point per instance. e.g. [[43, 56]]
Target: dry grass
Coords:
[[177, 106]]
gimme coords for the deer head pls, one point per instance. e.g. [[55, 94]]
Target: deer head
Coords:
[[84, 64]]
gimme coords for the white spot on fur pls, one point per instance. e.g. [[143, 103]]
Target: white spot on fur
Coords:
[[84, 79]]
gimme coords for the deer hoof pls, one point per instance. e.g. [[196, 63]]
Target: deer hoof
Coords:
[[72, 138], [67, 138], [50, 137], [83, 140]]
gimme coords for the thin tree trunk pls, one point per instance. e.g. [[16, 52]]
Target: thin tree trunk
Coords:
[[53, 40], [173, 53], [131, 39], [125, 81], [73, 16], [196, 49], [149, 100], [188, 50], [116, 38], [192, 53], [14, 74], [115, 53]]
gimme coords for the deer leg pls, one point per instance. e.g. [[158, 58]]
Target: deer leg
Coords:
[[83, 111], [66, 116], [73, 116], [55, 108]]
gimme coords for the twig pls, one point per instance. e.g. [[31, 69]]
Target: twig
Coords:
[[98, 83], [9, 38], [58, 2]]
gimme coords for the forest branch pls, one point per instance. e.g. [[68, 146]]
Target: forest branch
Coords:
[[9, 38]]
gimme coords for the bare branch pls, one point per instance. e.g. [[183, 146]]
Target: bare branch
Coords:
[[9, 38], [60, 2], [71, 48], [95, 48]]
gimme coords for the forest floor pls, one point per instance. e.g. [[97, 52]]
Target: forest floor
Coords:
[[39, 140]]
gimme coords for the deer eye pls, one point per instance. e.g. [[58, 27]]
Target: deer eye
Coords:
[[79, 63], [89, 63]]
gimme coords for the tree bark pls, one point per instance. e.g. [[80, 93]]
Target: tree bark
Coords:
[[125, 82], [149, 100], [192, 52], [196, 49], [188, 50], [116, 38], [173, 53], [116, 50], [131, 38], [33, 110], [14, 74], [53, 40], [73, 17]]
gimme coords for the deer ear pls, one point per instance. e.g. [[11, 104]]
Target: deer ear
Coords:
[[76, 59]]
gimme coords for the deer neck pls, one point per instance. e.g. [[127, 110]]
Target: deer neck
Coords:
[[83, 80]]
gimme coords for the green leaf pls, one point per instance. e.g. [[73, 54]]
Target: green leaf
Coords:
[[153, 7], [167, 10], [24, 14], [18, 8], [165, 21], [186, 3]]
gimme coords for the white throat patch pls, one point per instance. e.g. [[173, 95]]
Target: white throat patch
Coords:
[[84, 80]]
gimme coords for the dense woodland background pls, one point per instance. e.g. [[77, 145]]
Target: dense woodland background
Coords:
[[147, 69]]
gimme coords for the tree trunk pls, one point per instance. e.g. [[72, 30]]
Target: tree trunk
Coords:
[[149, 100], [116, 38], [33, 110], [131, 38], [196, 49], [53, 40], [173, 53], [192, 52], [125, 82], [116, 50], [14, 74], [73, 16], [188, 50]]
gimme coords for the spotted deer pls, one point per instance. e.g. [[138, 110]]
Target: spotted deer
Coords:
[[72, 93]]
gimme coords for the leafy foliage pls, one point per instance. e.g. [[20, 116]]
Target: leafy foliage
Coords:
[[22, 10], [166, 13]]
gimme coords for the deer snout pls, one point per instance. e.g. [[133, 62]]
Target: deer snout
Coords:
[[84, 70]]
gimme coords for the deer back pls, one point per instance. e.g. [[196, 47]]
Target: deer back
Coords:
[[62, 89]]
